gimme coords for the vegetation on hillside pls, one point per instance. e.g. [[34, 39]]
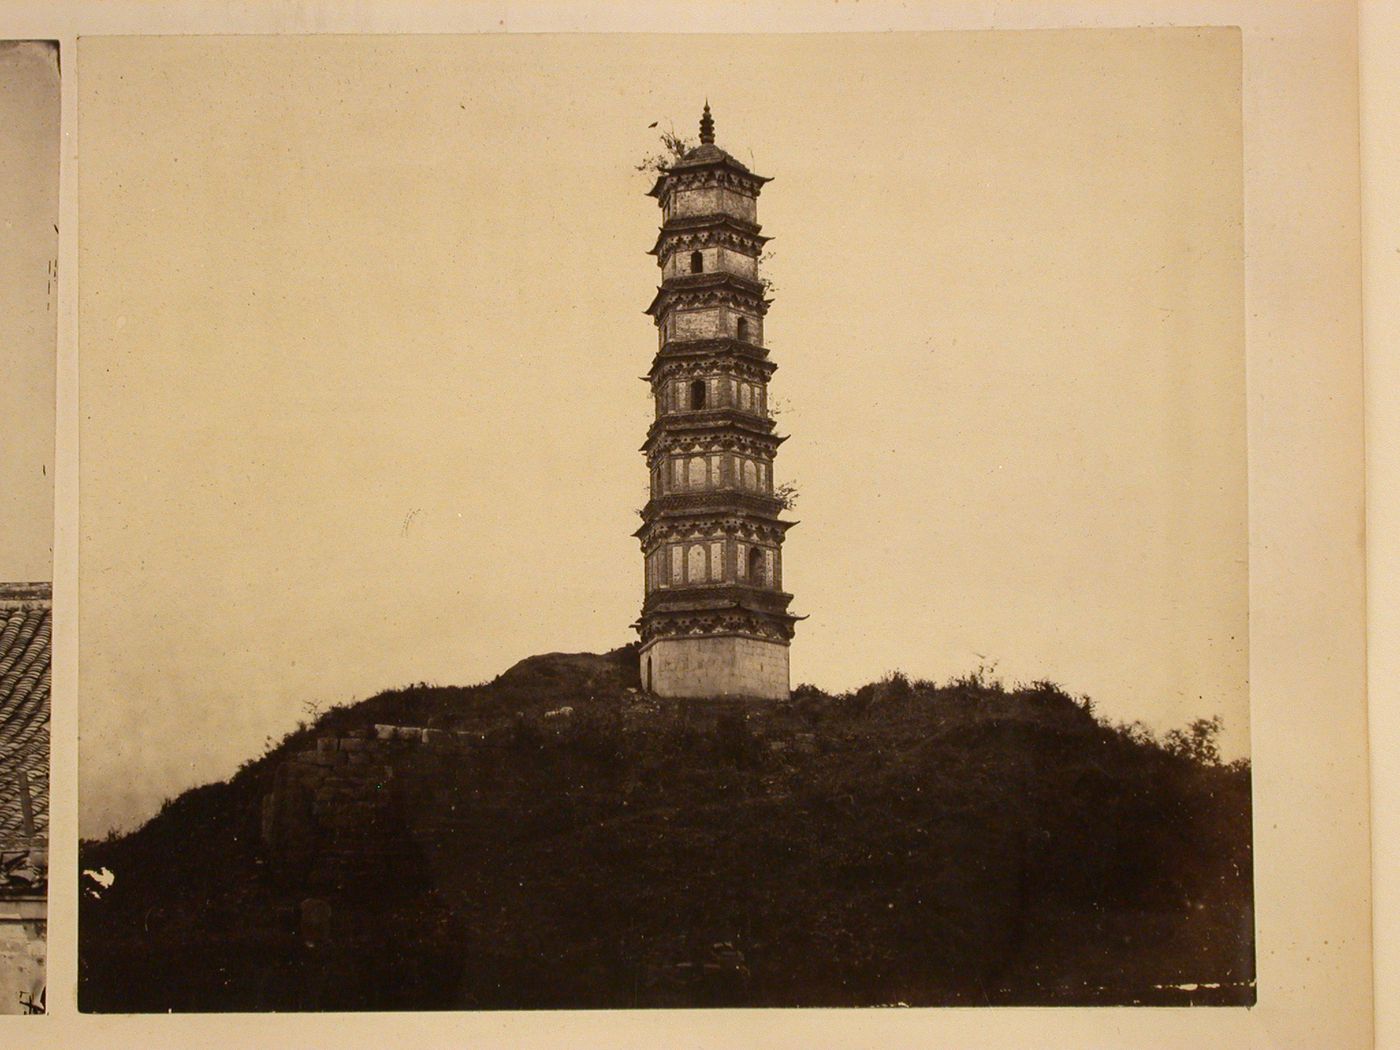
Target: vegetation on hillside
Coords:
[[907, 842]]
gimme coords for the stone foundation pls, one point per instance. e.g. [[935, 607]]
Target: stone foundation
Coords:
[[716, 667]]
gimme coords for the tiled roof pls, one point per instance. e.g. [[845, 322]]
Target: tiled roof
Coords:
[[26, 626]]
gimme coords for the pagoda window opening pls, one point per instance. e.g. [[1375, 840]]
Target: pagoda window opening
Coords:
[[742, 329], [697, 262], [697, 395], [757, 565], [696, 566]]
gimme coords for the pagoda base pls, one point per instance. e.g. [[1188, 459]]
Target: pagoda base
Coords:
[[716, 666]]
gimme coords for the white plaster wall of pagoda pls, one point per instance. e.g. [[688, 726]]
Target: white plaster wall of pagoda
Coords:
[[737, 262], [699, 324], [713, 473], [694, 563], [750, 332], [679, 263], [712, 200], [771, 572], [714, 561], [714, 322], [723, 391], [712, 260]]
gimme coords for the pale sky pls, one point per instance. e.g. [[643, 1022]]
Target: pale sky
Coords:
[[28, 253], [361, 325]]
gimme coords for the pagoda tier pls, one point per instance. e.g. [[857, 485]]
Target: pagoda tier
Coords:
[[698, 232], [715, 618]]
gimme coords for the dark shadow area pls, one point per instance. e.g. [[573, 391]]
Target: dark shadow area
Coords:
[[558, 839]]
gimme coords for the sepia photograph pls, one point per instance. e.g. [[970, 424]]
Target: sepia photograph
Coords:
[[29, 114], [624, 521]]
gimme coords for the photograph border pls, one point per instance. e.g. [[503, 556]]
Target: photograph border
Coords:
[[1307, 602]]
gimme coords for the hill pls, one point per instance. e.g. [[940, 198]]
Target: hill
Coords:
[[557, 839]]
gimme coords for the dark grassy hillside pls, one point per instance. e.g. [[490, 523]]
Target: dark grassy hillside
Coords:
[[904, 843]]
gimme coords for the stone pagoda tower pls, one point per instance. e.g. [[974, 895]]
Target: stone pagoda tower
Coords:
[[714, 621]]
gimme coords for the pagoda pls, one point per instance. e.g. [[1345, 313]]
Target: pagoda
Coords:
[[715, 620]]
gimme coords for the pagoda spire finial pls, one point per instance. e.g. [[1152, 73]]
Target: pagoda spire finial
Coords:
[[707, 126]]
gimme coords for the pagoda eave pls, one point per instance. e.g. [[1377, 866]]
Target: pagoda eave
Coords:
[[721, 419], [686, 349], [733, 504], [679, 227], [699, 282], [691, 599], [718, 162]]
